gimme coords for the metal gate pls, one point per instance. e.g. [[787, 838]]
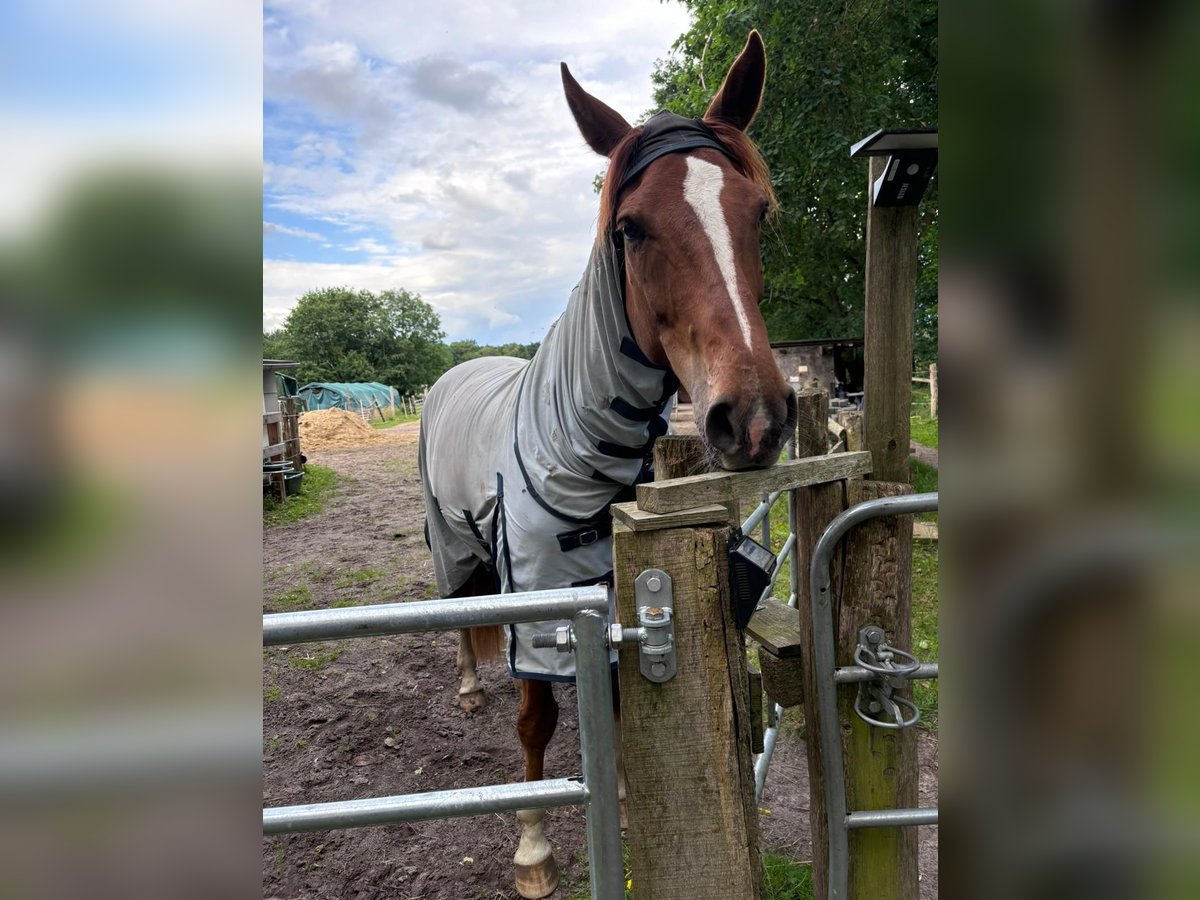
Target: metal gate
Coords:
[[596, 789], [877, 674]]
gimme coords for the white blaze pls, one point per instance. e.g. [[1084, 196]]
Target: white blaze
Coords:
[[702, 190]]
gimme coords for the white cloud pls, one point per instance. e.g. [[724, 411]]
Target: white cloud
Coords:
[[443, 132], [274, 228]]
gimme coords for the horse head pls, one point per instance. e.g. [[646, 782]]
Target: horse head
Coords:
[[683, 201]]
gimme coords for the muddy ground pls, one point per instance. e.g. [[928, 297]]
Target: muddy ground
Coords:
[[378, 716]]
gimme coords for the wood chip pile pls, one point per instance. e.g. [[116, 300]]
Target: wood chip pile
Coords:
[[324, 429]]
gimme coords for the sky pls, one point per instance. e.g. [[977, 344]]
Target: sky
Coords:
[[428, 146]]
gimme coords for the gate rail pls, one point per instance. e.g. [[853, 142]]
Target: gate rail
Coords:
[[597, 790]]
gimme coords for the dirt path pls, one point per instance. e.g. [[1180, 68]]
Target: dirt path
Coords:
[[927, 455], [378, 716]]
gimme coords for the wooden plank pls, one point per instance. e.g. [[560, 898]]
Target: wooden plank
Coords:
[[272, 417], [636, 519], [721, 487], [274, 450], [776, 626], [891, 280], [925, 531], [880, 764], [693, 823]]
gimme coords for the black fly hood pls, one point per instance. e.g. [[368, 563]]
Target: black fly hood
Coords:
[[665, 132]]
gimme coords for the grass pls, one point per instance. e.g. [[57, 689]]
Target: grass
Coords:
[[398, 419], [317, 660], [271, 694], [786, 879], [925, 627], [924, 430], [297, 596], [924, 480], [357, 577], [316, 490]]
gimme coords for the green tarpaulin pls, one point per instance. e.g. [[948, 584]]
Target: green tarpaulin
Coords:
[[352, 397]]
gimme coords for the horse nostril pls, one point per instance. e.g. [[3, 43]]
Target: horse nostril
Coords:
[[718, 427], [789, 400]]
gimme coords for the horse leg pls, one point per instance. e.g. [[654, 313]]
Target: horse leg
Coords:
[[474, 644], [536, 870], [470, 692]]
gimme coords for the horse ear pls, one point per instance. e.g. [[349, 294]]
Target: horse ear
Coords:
[[741, 92], [601, 125]]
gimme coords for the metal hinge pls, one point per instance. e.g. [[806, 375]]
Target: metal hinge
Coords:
[[654, 636]]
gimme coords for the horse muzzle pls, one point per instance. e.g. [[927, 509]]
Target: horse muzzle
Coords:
[[750, 434]]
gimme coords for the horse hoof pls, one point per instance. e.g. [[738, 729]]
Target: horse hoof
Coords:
[[537, 881], [472, 702]]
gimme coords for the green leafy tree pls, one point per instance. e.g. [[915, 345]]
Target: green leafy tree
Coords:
[[462, 351], [836, 71], [339, 334], [413, 333], [274, 344]]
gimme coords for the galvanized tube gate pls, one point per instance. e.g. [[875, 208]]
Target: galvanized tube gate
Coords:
[[875, 667], [877, 670], [597, 790]]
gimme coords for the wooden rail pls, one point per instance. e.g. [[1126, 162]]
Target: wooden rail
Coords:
[[721, 487]]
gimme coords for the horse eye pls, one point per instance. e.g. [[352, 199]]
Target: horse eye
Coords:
[[632, 231]]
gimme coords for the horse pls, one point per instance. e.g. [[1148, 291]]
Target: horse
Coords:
[[520, 460]]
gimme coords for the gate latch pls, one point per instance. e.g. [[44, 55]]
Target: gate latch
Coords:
[[877, 702]]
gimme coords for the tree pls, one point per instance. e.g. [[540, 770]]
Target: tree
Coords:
[[837, 70], [462, 351], [274, 344], [339, 334]]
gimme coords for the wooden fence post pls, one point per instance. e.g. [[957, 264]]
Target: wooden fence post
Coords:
[[693, 823], [880, 764], [891, 283], [815, 507], [933, 391], [852, 421], [680, 455]]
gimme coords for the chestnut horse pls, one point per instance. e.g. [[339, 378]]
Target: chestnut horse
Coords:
[[520, 461]]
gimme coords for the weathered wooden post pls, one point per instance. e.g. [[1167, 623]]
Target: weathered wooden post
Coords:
[[891, 283], [693, 824], [933, 391], [852, 421], [814, 508], [681, 455], [872, 584]]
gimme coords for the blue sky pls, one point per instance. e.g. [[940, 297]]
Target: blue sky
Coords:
[[427, 146]]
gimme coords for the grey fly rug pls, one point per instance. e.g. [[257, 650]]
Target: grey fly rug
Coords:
[[520, 460]]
